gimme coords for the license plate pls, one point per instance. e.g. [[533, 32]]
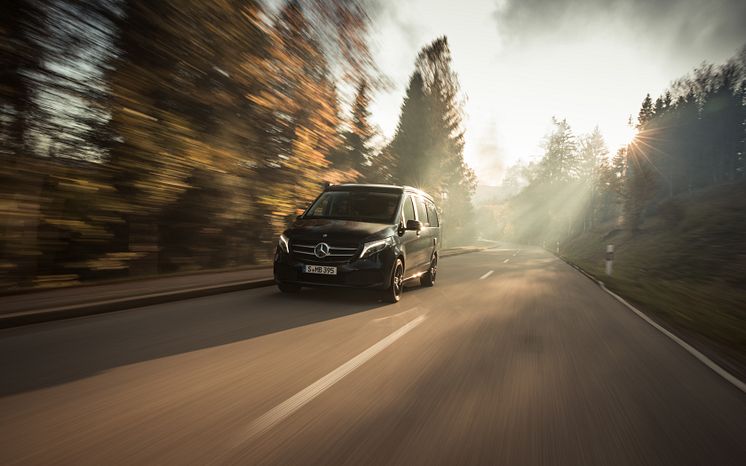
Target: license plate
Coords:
[[320, 269]]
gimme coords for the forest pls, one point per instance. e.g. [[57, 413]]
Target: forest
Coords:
[[141, 138], [689, 139], [671, 203]]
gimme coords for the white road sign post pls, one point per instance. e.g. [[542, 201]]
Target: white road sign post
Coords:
[[609, 258]]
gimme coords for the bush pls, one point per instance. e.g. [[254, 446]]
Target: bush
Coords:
[[671, 211]]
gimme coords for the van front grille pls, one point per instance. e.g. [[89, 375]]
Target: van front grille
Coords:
[[337, 254]]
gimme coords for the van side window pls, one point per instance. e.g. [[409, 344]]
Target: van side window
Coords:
[[432, 215], [408, 209], [422, 211]]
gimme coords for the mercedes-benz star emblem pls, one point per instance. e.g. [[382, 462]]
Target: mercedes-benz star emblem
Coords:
[[321, 250]]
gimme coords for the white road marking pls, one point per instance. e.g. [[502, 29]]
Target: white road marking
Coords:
[[486, 275], [712, 365], [694, 352], [506, 261], [300, 399]]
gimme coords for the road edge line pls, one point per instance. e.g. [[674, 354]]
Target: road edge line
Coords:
[[709, 363], [693, 351]]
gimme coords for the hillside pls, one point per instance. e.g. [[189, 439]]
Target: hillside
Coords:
[[686, 267]]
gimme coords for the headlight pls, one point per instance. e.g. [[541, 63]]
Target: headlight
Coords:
[[374, 247], [284, 244]]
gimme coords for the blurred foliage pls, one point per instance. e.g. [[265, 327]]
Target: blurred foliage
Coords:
[[141, 137]]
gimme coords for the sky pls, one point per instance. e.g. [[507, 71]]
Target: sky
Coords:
[[520, 62]]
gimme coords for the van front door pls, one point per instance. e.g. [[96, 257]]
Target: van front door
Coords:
[[411, 240], [428, 235]]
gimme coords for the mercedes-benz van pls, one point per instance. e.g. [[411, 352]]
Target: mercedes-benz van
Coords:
[[361, 235]]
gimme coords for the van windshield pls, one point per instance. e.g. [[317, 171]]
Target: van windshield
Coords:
[[360, 206]]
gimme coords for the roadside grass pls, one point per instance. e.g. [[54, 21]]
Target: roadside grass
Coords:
[[688, 273]]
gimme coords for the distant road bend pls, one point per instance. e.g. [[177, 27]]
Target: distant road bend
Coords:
[[512, 358]]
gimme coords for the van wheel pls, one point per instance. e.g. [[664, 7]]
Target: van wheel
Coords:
[[288, 287], [393, 293], [429, 278]]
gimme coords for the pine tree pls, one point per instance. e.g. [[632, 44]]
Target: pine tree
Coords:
[[667, 100], [356, 150], [428, 146], [611, 185], [641, 182], [659, 106], [593, 152], [560, 162], [646, 112], [362, 131], [410, 146]]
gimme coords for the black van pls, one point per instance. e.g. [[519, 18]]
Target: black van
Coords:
[[361, 235]]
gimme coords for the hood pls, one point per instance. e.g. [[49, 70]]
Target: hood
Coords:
[[342, 231]]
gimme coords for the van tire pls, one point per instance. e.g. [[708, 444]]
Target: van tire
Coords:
[[288, 287], [428, 279], [392, 294]]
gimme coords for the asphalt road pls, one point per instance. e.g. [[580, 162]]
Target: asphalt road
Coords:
[[532, 364]]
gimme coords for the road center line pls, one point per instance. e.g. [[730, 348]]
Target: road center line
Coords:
[[486, 275], [506, 261], [303, 397]]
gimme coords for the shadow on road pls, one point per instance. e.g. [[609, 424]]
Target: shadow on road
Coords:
[[46, 355]]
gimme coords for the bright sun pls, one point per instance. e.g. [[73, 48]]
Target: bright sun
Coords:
[[620, 136]]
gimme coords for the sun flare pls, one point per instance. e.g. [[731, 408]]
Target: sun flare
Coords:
[[620, 136]]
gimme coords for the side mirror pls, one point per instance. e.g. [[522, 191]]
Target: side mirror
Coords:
[[414, 225]]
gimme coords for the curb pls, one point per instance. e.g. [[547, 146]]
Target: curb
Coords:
[[101, 307], [712, 365]]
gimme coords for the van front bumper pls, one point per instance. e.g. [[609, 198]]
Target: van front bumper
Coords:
[[371, 272]]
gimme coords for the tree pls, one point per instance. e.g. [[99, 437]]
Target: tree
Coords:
[[646, 112], [560, 163], [427, 148], [409, 149], [593, 152], [183, 120], [356, 150], [22, 27], [301, 119], [640, 186], [611, 185]]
